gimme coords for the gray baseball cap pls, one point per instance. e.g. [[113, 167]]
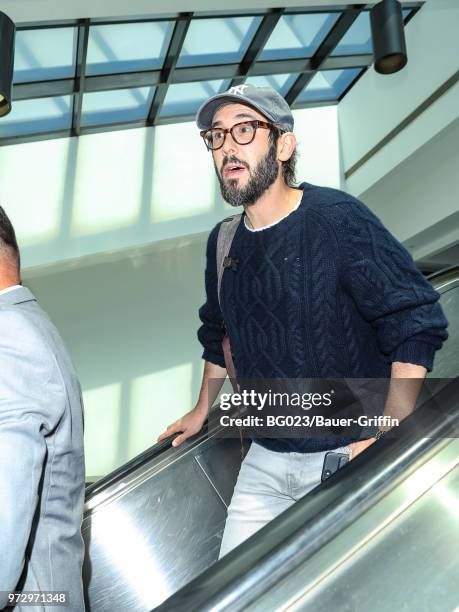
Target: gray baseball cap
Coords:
[[264, 99]]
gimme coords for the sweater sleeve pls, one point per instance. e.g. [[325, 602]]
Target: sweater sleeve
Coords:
[[211, 332], [388, 290]]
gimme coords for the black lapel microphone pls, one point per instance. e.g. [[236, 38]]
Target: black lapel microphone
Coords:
[[232, 264]]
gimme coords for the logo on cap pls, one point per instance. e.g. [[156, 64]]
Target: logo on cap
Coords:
[[237, 89]]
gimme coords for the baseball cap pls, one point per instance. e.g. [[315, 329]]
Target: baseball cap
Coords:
[[264, 99]]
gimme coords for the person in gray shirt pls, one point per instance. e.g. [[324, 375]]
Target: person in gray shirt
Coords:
[[41, 449]]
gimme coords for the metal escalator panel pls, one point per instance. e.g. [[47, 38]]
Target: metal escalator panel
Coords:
[[150, 532], [399, 555]]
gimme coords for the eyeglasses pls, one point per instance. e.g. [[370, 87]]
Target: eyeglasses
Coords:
[[242, 133]]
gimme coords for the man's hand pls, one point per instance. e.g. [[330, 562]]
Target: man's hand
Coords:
[[400, 400], [357, 447], [189, 425]]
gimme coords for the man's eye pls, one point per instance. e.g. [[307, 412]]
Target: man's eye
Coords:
[[218, 135]]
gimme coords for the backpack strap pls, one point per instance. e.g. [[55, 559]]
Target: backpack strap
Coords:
[[226, 234], [225, 238]]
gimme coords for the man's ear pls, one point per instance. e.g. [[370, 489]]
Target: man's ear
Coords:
[[285, 146]]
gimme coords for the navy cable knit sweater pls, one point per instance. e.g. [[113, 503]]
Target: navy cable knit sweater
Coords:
[[327, 292]]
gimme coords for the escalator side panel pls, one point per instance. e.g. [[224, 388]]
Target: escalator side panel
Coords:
[[144, 545], [377, 562], [412, 564], [211, 463]]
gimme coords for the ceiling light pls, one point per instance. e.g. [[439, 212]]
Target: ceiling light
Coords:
[[388, 35], [7, 33]]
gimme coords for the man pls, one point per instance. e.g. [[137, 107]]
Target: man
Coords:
[[320, 290], [41, 448]]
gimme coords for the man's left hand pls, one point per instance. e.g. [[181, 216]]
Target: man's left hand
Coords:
[[357, 447]]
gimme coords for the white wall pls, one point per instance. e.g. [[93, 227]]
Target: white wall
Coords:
[[76, 197], [412, 182], [130, 325], [419, 199], [378, 103]]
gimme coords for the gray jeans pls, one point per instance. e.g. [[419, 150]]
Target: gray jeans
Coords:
[[269, 482]]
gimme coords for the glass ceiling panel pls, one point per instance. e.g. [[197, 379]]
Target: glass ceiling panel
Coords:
[[128, 47], [280, 82], [328, 85], [186, 98], [358, 38], [217, 41], [298, 35], [44, 54], [42, 115], [102, 107]]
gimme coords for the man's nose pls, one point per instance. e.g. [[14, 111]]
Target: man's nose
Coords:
[[229, 146]]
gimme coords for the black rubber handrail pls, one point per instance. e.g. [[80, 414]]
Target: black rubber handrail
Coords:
[[268, 556], [127, 468], [154, 452]]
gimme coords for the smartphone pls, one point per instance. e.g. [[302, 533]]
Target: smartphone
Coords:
[[332, 463]]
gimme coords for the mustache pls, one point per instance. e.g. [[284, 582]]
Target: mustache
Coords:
[[232, 159]]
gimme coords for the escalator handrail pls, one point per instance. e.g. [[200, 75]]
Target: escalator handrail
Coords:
[[127, 468], [436, 277], [279, 548], [154, 453]]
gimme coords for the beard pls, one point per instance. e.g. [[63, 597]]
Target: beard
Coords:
[[260, 180]]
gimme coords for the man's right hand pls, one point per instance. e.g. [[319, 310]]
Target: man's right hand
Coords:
[[189, 425]]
